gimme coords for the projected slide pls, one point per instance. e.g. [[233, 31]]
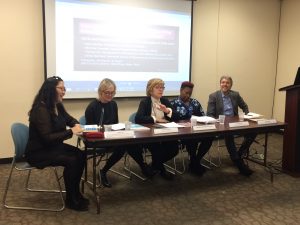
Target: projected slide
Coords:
[[130, 44], [96, 49]]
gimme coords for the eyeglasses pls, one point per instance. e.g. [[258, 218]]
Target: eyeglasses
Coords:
[[108, 93], [160, 87], [61, 88]]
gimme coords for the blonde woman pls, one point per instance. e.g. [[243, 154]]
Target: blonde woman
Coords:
[[104, 110], [155, 108]]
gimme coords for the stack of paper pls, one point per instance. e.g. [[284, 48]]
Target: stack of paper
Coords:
[[205, 119], [252, 115]]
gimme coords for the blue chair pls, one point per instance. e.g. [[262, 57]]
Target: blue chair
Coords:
[[82, 120], [20, 134], [132, 117]]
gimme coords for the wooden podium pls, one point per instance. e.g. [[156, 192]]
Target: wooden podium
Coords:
[[291, 139]]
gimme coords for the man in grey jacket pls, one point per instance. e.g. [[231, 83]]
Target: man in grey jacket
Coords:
[[226, 102]]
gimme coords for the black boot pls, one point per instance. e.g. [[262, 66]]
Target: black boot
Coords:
[[147, 170], [103, 179], [81, 198], [243, 168], [197, 169], [73, 202]]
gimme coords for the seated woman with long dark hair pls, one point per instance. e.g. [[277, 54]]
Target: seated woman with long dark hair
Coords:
[[48, 120]]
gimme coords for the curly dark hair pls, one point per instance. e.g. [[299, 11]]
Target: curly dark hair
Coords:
[[187, 84]]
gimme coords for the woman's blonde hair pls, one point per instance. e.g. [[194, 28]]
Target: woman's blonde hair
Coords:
[[152, 83], [105, 84]]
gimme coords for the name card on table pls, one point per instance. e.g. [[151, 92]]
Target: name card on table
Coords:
[[165, 130], [205, 127], [265, 121], [239, 124], [119, 134]]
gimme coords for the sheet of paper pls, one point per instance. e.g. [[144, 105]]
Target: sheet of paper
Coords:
[[239, 124], [165, 130], [266, 121], [119, 134], [205, 127], [118, 126], [170, 125]]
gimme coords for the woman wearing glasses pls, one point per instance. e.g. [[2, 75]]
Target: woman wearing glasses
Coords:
[[104, 111], [48, 120], [157, 109]]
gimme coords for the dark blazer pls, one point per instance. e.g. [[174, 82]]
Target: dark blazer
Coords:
[[94, 110], [143, 114], [47, 132], [215, 105]]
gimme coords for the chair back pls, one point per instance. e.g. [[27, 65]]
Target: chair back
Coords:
[[132, 117], [20, 134], [82, 120]]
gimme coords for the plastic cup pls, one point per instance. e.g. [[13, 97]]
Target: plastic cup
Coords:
[[221, 119], [127, 125], [193, 122], [241, 116], [107, 127]]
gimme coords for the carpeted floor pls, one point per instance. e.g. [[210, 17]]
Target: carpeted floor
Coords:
[[221, 196]]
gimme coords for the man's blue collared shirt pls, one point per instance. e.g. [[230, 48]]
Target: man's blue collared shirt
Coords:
[[228, 109]]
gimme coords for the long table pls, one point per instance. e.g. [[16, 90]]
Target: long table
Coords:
[[148, 136]]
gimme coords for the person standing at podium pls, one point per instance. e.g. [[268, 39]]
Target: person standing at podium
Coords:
[[187, 107], [226, 102]]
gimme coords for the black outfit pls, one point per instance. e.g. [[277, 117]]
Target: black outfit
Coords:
[[196, 153], [107, 113], [163, 151], [45, 147]]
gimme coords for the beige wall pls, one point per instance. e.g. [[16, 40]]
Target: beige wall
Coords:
[[235, 37]]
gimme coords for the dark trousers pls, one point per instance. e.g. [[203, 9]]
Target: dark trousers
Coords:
[[196, 153], [68, 156], [231, 147], [162, 152], [134, 151]]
